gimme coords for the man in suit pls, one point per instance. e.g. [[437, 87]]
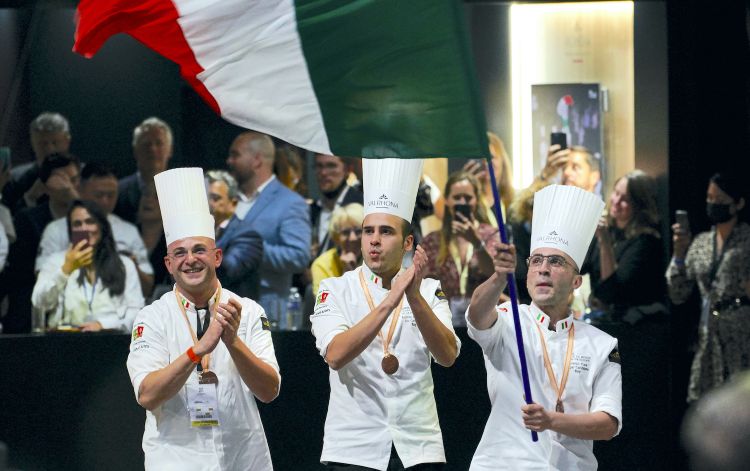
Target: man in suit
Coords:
[[152, 149], [331, 172], [277, 213], [242, 246]]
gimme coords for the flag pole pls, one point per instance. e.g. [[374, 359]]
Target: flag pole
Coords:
[[513, 295]]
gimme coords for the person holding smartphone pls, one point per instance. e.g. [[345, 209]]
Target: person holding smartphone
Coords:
[[459, 254], [89, 285]]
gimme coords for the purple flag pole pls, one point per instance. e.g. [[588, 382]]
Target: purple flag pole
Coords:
[[513, 296]]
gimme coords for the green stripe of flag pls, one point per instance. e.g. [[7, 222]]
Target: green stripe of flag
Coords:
[[390, 90]]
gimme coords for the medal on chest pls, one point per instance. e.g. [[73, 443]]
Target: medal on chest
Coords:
[[389, 363], [559, 389]]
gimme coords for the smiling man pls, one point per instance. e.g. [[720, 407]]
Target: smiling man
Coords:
[[574, 368], [200, 354], [378, 327]]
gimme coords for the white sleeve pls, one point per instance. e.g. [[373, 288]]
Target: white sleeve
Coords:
[[441, 308], [3, 248], [258, 336], [53, 240], [328, 319], [148, 346], [607, 388], [138, 248], [131, 301], [50, 284], [491, 338]]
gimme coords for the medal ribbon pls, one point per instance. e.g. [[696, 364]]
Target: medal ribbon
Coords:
[[217, 296], [394, 314], [566, 368], [463, 270]]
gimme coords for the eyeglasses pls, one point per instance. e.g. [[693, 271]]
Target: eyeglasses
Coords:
[[347, 232], [556, 262], [181, 254]]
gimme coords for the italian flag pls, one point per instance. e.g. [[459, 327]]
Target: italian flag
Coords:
[[365, 78]]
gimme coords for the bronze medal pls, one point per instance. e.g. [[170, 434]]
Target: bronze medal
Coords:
[[208, 377], [389, 364], [559, 407]]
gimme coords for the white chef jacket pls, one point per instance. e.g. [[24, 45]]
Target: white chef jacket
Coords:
[[128, 239], [73, 303], [368, 409], [160, 335], [594, 384]]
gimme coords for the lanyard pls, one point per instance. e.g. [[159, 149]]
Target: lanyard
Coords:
[[217, 296], [90, 299], [463, 270], [566, 368], [394, 314]]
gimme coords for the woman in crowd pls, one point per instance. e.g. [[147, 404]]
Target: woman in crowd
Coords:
[[459, 253], [501, 167], [626, 262], [89, 285], [718, 261], [345, 230]]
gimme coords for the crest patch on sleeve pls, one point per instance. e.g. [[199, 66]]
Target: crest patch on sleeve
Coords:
[[440, 294], [614, 356], [264, 324]]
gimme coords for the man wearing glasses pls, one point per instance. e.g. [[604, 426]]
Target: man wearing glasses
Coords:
[[574, 368], [200, 355]]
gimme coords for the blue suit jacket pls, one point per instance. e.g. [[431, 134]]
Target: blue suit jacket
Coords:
[[282, 219], [242, 248]]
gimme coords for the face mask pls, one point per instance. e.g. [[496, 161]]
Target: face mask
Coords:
[[718, 213]]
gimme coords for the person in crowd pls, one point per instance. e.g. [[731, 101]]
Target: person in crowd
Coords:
[[99, 185], [242, 247], [152, 149], [345, 230], [89, 285], [573, 367], [289, 167], [223, 195], [200, 345], [716, 429], [458, 254], [275, 212], [50, 134], [626, 282], [501, 167], [575, 166], [382, 409], [60, 174], [718, 262], [151, 230], [330, 172]]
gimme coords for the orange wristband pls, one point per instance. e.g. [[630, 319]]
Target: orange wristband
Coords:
[[193, 357]]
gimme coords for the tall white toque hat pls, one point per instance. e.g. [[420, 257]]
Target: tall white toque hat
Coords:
[[565, 218], [390, 186], [184, 204]]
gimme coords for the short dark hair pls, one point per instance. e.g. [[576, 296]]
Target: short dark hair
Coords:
[[96, 170], [730, 183], [54, 161]]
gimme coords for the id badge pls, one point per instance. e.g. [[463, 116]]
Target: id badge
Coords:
[[203, 404]]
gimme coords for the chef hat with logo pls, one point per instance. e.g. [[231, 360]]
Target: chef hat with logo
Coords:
[[184, 204], [565, 218], [390, 186]]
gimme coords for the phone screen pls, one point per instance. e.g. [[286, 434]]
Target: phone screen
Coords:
[[77, 236], [463, 209]]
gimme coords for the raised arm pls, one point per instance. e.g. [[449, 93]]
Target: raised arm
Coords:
[[482, 313]]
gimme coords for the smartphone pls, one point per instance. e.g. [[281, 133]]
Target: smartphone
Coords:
[[559, 138], [77, 236], [463, 209], [681, 218], [4, 158]]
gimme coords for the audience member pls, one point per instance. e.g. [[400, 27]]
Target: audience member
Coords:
[[60, 175], [457, 254], [345, 230], [152, 232], [331, 173], [99, 185], [278, 214], [501, 167], [289, 167], [625, 266], [152, 149], [89, 285], [49, 134], [242, 246], [576, 167], [717, 428], [718, 261]]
